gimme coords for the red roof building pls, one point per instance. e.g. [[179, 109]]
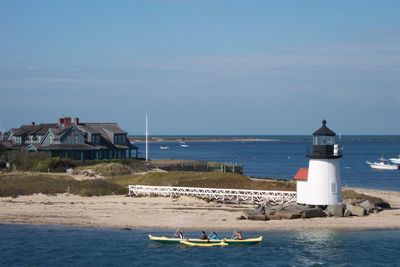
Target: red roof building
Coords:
[[301, 175]]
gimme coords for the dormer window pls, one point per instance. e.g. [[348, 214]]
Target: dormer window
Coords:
[[95, 139], [119, 139]]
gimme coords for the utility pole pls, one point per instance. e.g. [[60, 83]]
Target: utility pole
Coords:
[[147, 147]]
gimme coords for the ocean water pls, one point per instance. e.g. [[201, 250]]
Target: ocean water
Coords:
[[282, 158], [28, 245]]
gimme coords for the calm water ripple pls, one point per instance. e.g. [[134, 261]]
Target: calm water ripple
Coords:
[[27, 245]]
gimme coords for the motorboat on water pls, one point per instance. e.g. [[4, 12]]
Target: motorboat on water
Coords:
[[184, 145], [395, 160], [382, 165], [164, 147]]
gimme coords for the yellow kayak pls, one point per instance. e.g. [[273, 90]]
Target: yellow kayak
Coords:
[[191, 244], [248, 241], [168, 240]]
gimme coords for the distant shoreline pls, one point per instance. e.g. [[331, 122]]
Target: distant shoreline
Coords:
[[201, 139], [259, 138]]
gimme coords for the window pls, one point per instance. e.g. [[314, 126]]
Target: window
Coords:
[[118, 138], [95, 139], [324, 140]]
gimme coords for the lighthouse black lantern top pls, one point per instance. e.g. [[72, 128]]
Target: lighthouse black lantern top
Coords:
[[324, 146]]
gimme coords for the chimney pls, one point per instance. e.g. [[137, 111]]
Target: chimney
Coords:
[[60, 121], [33, 123], [76, 120], [67, 121]]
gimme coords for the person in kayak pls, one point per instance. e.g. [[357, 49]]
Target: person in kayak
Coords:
[[214, 236], [179, 234], [204, 235], [237, 235]]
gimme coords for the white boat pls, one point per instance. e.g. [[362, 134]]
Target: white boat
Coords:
[[184, 145], [395, 160], [382, 165], [164, 147]]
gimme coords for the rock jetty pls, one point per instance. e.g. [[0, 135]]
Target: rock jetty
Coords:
[[288, 211]]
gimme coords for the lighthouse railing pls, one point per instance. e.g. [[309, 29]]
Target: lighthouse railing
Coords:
[[218, 194]]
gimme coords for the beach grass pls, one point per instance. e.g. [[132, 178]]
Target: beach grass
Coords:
[[18, 184], [205, 179], [118, 178], [351, 194]]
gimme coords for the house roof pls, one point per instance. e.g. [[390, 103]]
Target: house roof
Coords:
[[301, 175], [39, 129], [11, 145], [101, 127], [86, 128], [6, 144], [68, 147]]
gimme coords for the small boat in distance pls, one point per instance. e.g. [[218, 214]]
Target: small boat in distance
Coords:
[[382, 165], [164, 147], [395, 160], [184, 145]]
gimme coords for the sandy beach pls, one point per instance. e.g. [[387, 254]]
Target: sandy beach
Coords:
[[171, 213]]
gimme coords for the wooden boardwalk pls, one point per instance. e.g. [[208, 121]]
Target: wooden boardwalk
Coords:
[[224, 195]]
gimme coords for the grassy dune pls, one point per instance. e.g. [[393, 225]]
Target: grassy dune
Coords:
[[17, 184], [119, 177], [203, 179]]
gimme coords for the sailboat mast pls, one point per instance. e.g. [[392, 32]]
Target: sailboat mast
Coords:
[[147, 147]]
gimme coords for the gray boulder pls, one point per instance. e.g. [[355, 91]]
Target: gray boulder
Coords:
[[356, 210], [283, 214], [347, 213], [312, 213], [252, 212], [295, 208], [383, 205], [335, 210], [258, 217], [290, 215], [367, 206], [274, 216]]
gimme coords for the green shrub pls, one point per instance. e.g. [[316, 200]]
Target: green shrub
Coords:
[[112, 169], [55, 164], [99, 187], [24, 161]]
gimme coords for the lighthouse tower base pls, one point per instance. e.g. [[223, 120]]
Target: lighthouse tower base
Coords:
[[323, 186]]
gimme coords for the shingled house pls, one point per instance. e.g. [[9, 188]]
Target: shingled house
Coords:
[[20, 137], [72, 139]]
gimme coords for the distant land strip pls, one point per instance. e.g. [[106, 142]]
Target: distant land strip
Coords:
[[200, 139]]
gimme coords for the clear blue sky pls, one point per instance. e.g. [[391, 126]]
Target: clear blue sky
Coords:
[[203, 67]]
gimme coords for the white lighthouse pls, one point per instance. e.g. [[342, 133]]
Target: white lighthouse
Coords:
[[322, 185]]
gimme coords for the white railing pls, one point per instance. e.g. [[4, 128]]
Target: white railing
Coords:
[[225, 195]]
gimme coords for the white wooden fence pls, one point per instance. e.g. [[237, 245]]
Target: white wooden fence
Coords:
[[225, 195]]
